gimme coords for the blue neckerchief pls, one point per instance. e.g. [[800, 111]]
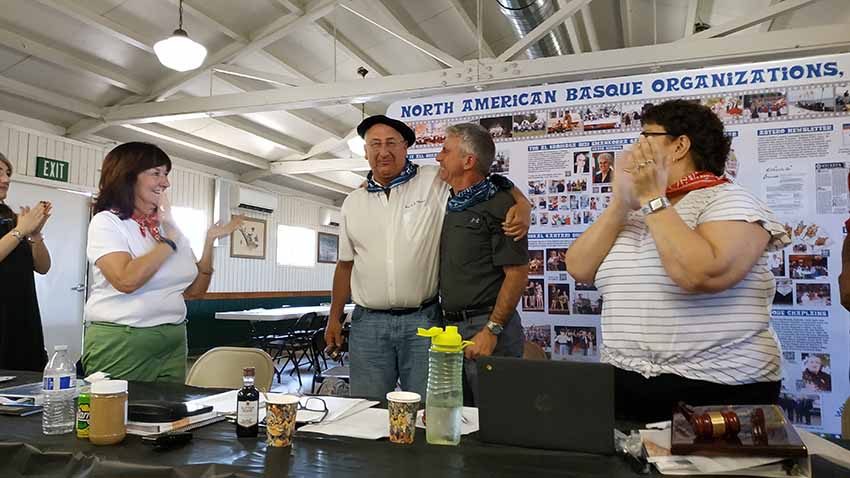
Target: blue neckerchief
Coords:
[[406, 175], [478, 193]]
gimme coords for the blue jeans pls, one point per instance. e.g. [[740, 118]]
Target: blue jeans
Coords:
[[509, 344], [385, 350]]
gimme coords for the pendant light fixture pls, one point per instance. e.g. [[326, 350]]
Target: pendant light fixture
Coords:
[[356, 144], [178, 51]]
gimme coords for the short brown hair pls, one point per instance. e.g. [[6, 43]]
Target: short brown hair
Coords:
[[6, 162], [119, 172]]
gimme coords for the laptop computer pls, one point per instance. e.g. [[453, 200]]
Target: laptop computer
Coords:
[[555, 405]]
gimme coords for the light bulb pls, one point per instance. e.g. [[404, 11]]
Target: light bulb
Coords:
[[179, 52]]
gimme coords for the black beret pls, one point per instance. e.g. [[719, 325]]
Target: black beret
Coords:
[[395, 124]]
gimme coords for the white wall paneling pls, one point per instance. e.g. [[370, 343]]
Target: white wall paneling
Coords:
[[190, 187]]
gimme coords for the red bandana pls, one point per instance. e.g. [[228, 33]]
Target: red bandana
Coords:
[[694, 181], [148, 223]]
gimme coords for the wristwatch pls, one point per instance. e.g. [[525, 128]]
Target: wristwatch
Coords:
[[169, 243], [655, 205], [495, 328], [18, 235]]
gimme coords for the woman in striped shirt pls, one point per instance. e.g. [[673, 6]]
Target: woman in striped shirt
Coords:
[[680, 257]]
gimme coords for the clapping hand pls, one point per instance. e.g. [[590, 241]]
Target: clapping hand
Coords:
[[32, 219], [651, 168], [220, 230], [623, 183]]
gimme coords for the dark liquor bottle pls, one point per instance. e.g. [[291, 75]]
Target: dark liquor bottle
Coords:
[[247, 406]]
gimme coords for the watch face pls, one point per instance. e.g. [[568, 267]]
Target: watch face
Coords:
[[656, 203]]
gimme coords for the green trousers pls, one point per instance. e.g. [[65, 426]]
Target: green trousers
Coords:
[[147, 354]]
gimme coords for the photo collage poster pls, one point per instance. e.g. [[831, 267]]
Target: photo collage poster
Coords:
[[790, 127]]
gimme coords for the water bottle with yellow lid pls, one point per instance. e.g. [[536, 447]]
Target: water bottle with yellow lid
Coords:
[[444, 402]]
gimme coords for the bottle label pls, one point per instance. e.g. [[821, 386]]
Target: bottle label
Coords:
[[65, 382], [83, 414], [247, 413]]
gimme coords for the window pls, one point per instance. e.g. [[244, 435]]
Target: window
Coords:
[[296, 246], [193, 224]]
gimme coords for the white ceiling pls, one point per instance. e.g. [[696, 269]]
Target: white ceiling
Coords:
[[85, 55]]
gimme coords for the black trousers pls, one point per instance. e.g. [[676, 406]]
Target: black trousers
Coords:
[[652, 399]]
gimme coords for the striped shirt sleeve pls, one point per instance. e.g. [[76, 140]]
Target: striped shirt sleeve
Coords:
[[733, 203]]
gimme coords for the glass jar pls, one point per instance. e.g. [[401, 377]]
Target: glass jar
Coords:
[[108, 419]]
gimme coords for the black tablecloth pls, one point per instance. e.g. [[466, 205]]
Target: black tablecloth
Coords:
[[216, 452]]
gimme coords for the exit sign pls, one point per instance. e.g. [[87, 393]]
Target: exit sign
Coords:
[[51, 169]]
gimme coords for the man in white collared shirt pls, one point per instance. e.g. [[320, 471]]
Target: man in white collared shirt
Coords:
[[389, 262]]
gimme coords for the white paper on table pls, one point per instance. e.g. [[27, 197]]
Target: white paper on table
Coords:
[[659, 448], [467, 426], [819, 446], [369, 424], [338, 408], [223, 403]]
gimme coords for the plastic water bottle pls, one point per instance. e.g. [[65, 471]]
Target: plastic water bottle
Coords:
[[60, 388], [444, 403]]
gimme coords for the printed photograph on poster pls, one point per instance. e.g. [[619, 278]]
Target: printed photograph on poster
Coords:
[[807, 236], [811, 99], [587, 302], [842, 98], [816, 373], [584, 286], [555, 186], [535, 262], [430, 132], [563, 203], [532, 297], [765, 105], [801, 409], [560, 219], [543, 218], [555, 260], [784, 294], [501, 163], [631, 115], [552, 203], [725, 106], [560, 121], [528, 125], [808, 266], [731, 168], [600, 118], [573, 201], [581, 162], [577, 185], [540, 335], [603, 167], [776, 262], [536, 187], [575, 342], [813, 295], [499, 127], [559, 299]]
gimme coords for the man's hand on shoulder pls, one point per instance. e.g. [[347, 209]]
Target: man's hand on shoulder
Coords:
[[518, 220]]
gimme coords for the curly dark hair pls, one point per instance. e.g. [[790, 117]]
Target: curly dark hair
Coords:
[[709, 145], [119, 173]]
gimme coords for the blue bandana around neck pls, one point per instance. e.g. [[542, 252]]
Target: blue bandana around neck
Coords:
[[479, 192], [406, 175]]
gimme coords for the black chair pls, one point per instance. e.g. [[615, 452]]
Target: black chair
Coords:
[[298, 339]]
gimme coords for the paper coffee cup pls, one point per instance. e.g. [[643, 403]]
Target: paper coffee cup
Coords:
[[402, 411], [281, 411]]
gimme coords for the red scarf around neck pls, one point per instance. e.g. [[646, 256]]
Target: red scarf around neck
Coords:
[[149, 223], [692, 182]]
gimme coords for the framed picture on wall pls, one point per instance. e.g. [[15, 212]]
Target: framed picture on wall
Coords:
[[249, 240], [328, 252]]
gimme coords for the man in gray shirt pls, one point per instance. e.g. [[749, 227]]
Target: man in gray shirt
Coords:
[[482, 271]]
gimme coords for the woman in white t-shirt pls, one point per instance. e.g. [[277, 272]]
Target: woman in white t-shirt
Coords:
[[680, 257], [143, 270]]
